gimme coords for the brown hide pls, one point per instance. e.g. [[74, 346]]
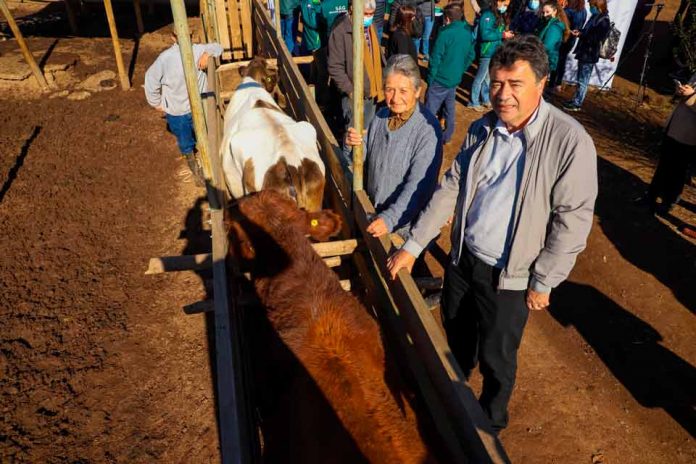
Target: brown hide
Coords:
[[307, 182], [258, 70], [327, 330]]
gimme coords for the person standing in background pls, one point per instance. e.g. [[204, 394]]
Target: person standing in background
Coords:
[[423, 43], [527, 21], [401, 38], [552, 33], [491, 33], [453, 53], [587, 52], [289, 23], [576, 14]]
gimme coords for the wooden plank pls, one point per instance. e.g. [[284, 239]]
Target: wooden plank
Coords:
[[235, 423], [125, 83], [235, 29], [247, 33], [28, 57], [332, 261], [138, 17], [357, 15], [223, 29], [336, 248], [471, 424], [270, 61], [179, 263]]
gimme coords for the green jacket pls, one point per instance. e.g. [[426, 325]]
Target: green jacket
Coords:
[[452, 54], [330, 10], [490, 36], [310, 24], [552, 35], [288, 6]]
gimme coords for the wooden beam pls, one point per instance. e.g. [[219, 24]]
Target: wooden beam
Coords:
[[28, 57], [247, 33], [235, 29], [336, 248], [270, 61], [139, 17], [125, 83], [223, 30], [471, 423], [358, 91]]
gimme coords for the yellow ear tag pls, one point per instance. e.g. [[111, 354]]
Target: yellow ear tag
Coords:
[[314, 223]]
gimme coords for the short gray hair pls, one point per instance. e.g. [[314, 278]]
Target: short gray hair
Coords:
[[370, 4], [406, 66]]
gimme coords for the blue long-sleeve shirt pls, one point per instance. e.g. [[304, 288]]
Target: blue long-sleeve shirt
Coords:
[[165, 84]]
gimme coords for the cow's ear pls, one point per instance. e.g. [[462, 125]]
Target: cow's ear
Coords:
[[323, 224], [242, 71], [240, 241]]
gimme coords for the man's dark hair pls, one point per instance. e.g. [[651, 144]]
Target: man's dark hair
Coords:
[[528, 48], [454, 11]]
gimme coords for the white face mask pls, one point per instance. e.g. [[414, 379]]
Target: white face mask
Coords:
[[534, 5]]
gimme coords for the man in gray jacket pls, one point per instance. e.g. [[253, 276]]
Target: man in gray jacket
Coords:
[[522, 190]]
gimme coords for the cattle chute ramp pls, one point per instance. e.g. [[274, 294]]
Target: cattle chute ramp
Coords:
[[403, 314]]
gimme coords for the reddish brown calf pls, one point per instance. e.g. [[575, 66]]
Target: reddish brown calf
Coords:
[[327, 330]]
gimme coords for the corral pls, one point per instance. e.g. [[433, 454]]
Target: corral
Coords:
[[605, 352]]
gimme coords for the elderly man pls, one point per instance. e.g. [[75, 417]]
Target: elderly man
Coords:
[[341, 63], [522, 190]]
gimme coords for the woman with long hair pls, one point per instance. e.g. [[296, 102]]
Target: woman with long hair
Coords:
[[491, 33], [552, 32], [574, 10], [401, 37]]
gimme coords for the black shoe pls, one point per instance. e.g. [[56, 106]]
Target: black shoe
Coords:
[[570, 106]]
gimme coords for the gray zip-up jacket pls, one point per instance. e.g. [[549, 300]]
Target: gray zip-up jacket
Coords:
[[554, 211], [165, 83]]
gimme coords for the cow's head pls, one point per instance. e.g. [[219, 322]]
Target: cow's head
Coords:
[[259, 70], [266, 218]]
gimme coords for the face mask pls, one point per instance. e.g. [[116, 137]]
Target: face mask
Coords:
[[534, 5], [594, 10], [367, 21], [502, 9]]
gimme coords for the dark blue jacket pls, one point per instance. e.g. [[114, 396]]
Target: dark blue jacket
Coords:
[[593, 34], [527, 22], [576, 18]]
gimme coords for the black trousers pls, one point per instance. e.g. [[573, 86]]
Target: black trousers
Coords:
[[484, 325], [671, 173]]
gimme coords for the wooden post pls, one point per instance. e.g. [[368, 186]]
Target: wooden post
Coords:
[[139, 17], [191, 73], [125, 84], [276, 16], [28, 57], [358, 74], [71, 16]]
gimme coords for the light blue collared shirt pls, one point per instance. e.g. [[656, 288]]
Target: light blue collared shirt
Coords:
[[489, 221]]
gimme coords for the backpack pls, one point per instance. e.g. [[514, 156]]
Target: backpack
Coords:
[[609, 46]]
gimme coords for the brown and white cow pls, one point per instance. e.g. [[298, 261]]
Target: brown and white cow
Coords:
[[336, 344], [264, 148]]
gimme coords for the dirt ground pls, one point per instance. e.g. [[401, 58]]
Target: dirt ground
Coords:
[[98, 362]]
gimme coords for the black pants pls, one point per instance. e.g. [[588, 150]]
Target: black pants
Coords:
[[671, 173], [484, 325]]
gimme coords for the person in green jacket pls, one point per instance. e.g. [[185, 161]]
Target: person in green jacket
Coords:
[[552, 32], [330, 10], [452, 55], [311, 40], [491, 32], [289, 22]]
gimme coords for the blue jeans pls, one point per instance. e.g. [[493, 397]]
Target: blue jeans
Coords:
[[436, 96], [584, 73], [480, 90], [289, 25], [427, 30], [182, 128]]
